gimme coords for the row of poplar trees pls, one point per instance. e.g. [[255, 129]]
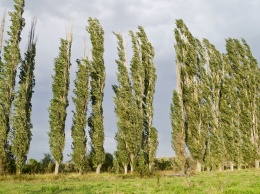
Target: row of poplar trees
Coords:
[[215, 109], [15, 106], [136, 137]]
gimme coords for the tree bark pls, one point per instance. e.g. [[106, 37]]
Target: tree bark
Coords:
[[220, 168], [150, 167], [231, 164], [198, 167], [132, 163], [57, 166], [132, 168], [98, 169], [125, 167], [208, 169], [257, 164]]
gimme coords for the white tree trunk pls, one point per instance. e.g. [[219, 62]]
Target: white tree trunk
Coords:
[[125, 167], [220, 168], [57, 166], [257, 164], [98, 168], [198, 167], [231, 164]]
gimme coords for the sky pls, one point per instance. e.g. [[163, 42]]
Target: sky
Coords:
[[210, 19]]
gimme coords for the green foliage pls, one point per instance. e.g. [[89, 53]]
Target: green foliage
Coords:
[[97, 85], [59, 102], [21, 120], [178, 131], [8, 67], [80, 100]]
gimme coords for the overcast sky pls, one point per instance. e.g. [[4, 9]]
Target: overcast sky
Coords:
[[211, 19]]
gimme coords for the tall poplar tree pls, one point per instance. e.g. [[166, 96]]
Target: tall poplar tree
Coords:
[[80, 100], [59, 102], [178, 132], [215, 153], [21, 120], [8, 68], [150, 134], [229, 110], [124, 108], [97, 85], [193, 79]]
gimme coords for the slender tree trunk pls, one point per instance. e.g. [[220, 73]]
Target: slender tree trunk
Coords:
[[220, 168], [132, 168], [98, 169], [208, 169], [125, 167], [132, 163], [238, 166], [257, 164], [198, 167], [57, 166], [150, 167], [231, 164]]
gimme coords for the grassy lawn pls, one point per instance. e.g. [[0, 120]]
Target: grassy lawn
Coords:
[[244, 181]]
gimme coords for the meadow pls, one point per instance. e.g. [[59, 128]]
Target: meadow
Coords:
[[244, 181]]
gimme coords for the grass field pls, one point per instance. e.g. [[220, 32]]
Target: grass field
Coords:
[[244, 181]]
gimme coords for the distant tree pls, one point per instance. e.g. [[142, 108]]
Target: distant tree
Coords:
[[122, 155], [178, 131], [150, 134], [97, 85], [8, 70], [21, 120], [80, 100], [59, 102]]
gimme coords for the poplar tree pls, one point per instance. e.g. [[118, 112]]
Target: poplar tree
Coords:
[[97, 84], [178, 132], [80, 100], [193, 79], [215, 153], [21, 120], [59, 102], [8, 69], [229, 110], [238, 58], [137, 79], [150, 134], [125, 108]]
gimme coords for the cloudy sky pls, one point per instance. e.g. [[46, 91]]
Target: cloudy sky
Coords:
[[211, 19]]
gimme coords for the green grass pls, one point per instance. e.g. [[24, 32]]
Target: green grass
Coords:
[[244, 181]]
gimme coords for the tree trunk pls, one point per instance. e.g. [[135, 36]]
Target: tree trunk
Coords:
[[150, 167], [220, 168], [132, 163], [132, 168], [57, 166], [208, 169], [198, 167], [231, 166], [257, 164], [125, 167], [238, 166], [98, 169]]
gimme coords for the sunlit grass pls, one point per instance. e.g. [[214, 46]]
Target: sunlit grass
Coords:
[[244, 181]]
